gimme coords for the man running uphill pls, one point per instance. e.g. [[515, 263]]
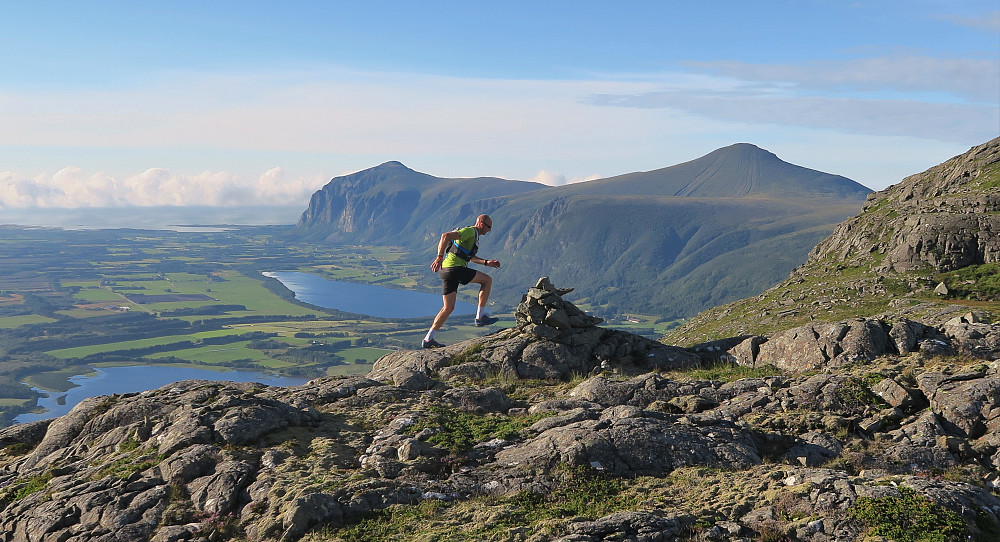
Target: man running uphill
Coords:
[[456, 250]]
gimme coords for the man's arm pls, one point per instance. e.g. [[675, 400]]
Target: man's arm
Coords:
[[446, 239], [488, 263]]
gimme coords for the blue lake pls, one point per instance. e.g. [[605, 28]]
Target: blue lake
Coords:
[[110, 380], [365, 298]]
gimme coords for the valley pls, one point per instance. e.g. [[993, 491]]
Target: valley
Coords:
[[74, 300]]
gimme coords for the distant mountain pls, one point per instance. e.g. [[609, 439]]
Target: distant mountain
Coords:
[[376, 204], [734, 171], [669, 242], [927, 248]]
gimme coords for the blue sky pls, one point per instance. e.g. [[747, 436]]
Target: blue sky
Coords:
[[224, 103]]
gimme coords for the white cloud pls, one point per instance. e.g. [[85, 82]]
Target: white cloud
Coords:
[[989, 21], [550, 178], [71, 187], [954, 79]]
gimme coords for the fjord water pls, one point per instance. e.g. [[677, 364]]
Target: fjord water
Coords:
[[365, 299], [111, 380]]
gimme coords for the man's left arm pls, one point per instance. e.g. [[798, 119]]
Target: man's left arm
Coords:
[[483, 261]]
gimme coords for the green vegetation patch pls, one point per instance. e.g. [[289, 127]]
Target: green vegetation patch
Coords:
[[11, 322], [974, 282], [458, 431], [579, 492], [83, 351], [26, 487], [908, 518], [728, 372], [220, 354]]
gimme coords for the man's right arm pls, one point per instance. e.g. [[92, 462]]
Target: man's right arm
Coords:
[[446, 239]]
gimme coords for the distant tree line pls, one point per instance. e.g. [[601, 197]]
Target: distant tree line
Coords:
[[132, 353]]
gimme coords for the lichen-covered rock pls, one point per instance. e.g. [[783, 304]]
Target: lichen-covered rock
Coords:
[[665, 454], [815, 346], [637, 444], [635, 526]]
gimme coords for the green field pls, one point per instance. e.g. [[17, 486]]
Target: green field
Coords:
[[83, 351], [221, 354], [11, 322]]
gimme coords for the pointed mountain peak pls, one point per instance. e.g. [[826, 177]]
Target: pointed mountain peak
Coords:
[[738, 170], [743, 150], [392, 164]]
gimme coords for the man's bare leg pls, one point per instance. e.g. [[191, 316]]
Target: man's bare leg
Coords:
[[447, 306], [485, 283]]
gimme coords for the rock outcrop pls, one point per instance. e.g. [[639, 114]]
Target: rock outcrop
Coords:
[[822, 346], [552, 339]]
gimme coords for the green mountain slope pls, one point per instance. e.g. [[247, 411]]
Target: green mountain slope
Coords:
[[669, 242]]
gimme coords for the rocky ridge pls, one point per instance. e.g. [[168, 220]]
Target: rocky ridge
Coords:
[[555, 429]]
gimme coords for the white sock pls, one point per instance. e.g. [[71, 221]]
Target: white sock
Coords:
[[481, 313], [430, 335]]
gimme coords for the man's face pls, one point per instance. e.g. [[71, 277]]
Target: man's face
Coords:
[[484, 226]]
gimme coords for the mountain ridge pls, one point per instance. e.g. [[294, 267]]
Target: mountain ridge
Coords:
[[619, 233], [756, 172]]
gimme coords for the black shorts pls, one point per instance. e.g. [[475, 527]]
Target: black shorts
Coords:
[[451, 277]]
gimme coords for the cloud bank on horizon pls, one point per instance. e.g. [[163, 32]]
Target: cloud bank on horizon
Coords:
[[243, 104]]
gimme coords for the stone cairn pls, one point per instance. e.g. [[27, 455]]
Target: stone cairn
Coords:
[[544, 313]]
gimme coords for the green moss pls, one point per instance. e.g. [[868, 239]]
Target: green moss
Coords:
[[26, 487], [581, 491], [973, 282], [469, 355], [908, 518], [855, 393], [578, 492], [458, 431], [130, 444], [728, 372]]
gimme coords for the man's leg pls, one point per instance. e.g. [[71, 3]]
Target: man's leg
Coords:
[[448, 305], [485, 283]]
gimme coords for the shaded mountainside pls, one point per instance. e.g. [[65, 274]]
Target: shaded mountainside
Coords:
[[553, 430], [669, 242], [938, 227]]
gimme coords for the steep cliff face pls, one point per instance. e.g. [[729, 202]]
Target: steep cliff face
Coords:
[[350, 204], [943, 219], [391, 203]]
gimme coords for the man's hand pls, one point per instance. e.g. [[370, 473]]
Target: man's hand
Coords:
[[492, 263], [436, 265]]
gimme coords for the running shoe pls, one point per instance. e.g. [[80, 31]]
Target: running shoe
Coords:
[[486, 321]]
